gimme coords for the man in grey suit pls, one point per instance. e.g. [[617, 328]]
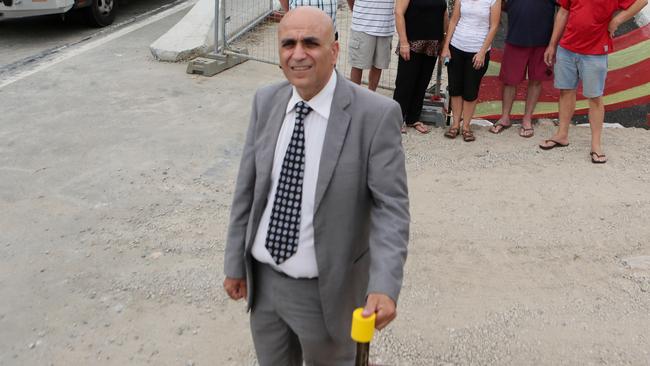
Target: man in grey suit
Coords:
[[319, 222]]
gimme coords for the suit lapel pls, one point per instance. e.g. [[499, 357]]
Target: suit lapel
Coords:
[[269, 132], [337, 129], [270, 137]]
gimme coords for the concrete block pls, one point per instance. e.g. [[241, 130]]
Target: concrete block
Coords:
[[190, 37]]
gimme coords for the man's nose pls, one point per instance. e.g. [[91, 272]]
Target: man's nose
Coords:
[[299, 52]]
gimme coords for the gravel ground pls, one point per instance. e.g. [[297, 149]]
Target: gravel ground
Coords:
[[523, 256], [111, 252]]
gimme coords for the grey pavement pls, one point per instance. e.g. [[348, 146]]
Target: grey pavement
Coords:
[[100, 156]]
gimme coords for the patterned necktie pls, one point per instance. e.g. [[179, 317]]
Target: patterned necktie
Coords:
[[284, 226]]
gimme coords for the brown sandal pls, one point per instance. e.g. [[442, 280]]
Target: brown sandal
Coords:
[[468, 136], [599, 158], [420, 127], [452, 132], [499, 127], [526, 132]]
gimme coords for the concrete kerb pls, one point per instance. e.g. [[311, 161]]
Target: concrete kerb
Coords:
[[194, 34], [191, 36]]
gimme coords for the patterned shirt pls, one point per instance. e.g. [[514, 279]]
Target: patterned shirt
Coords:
[[328, 6], [374, 17]]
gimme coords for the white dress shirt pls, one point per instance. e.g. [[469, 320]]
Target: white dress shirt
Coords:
[[303, 263]]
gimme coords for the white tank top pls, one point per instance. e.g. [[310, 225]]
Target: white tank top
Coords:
[[473, 25]]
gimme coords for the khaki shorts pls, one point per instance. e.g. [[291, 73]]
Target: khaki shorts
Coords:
[[366, 50]]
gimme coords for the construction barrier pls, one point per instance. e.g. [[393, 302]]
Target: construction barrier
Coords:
[[251, 26]]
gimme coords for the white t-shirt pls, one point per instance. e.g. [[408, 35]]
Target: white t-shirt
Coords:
[[473, 25]]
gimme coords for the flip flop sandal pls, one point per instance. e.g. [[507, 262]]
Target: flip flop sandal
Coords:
[[555, 144], [595, 161], [451, 133], [499, 124], [523, 132], [468, 136], [420, 127]]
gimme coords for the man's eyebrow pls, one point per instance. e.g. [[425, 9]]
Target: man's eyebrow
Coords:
[[287, 41], [311, 40]]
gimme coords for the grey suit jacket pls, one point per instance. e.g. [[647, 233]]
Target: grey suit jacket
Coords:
[[361, 215]]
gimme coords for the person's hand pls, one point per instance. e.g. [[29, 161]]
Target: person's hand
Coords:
[[235, 287], [445, 53], [478, 60], [613, 26], [383, 306], [405, 51], [549, 55]]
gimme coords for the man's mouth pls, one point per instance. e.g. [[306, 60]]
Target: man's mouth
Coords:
[[300, 68]]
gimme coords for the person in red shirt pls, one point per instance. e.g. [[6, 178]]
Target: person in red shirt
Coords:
[[584, 29]]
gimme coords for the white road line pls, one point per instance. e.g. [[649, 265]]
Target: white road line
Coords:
[[64, 55]]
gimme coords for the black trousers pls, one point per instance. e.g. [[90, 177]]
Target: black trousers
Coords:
[[413, 77]]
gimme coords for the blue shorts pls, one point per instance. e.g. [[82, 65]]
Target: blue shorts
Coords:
[[571, 67]]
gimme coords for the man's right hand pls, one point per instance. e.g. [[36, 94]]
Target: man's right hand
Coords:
[[549, 55], [235, 287]]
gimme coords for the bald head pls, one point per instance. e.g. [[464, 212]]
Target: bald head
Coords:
[[307, 48], [303, 16]]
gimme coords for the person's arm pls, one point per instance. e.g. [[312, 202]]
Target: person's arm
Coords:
[[400, 25], [561, 19], [451, 27], [445, 24], [495, 16], [234, 267], [351, 4], [285, 5], [389, 217], [625, 15]]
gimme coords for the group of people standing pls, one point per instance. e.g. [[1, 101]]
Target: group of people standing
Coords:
[[562, 40]]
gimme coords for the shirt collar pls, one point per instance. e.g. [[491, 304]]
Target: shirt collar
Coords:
[[321, 103]]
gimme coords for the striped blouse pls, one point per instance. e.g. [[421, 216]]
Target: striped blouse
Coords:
[[374, 17]]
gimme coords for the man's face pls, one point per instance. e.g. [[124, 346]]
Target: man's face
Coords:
[[308, 54]]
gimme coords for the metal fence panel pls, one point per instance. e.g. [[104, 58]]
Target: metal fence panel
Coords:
[[252, 24]]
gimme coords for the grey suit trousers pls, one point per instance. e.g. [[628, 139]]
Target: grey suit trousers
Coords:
[[288, 326]]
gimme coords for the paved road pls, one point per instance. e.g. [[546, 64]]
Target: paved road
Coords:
[[32, 38], [87, 140]]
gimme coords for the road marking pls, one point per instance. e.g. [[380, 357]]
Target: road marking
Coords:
[[66, 54]]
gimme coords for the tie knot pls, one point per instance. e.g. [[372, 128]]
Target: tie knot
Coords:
[[302, 109]]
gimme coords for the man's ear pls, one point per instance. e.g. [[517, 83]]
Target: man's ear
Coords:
[[335, 51]]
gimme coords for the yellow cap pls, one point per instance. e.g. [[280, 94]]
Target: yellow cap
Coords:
[[362, 328]]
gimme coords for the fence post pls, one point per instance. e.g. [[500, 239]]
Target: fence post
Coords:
[[217, 21], [224, 38]]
